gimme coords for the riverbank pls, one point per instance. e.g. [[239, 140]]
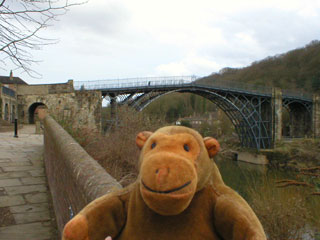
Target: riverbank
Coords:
[[286, 213], [294, 154], [289, 154]]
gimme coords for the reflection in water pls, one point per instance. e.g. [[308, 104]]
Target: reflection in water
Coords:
[[242, 176], [239, 175]]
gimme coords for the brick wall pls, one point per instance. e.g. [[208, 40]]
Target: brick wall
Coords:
[[74, 178]]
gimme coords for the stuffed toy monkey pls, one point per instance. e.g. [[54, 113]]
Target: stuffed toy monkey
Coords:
[[179, 194]]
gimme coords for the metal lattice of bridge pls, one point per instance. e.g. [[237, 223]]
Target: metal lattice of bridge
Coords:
[[250, 108]]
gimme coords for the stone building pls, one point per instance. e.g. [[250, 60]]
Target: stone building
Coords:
[[8, 96], [78, 108]]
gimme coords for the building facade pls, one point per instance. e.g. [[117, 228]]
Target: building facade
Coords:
[[20, 100]]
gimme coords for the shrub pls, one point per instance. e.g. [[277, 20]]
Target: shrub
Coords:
[[116, 151]]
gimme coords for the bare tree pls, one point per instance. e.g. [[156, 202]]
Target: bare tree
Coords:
[[21, 21]]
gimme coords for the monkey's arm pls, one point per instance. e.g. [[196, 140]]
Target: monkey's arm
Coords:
[[234, 219], [103, 217]]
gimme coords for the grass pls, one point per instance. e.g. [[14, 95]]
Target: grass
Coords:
[[286, 213]]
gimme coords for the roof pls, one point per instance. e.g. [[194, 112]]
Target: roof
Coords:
[[16, 80]]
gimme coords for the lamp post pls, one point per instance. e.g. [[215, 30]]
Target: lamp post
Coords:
[[15, 128]]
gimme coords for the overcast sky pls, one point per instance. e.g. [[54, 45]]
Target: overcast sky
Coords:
[[107, 39]]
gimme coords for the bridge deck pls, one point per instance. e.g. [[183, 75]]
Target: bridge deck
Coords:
[[25, 211], [134, 85]]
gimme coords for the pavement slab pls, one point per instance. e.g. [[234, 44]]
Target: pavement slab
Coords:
[[5, 160], [31, 231], [37, 197], [24, 196], [6, 201], [37, 173], [31, 217], [33, 180], [25, 189], [19, 168], [14, 164], [14, 175], [10, 182], [38, 207]]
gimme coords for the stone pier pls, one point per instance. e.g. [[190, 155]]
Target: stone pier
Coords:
[[276, 115], [316, 115]]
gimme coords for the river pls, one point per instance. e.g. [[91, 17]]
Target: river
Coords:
[[284, 212]]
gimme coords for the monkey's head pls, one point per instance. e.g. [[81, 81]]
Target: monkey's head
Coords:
[[174, 164]]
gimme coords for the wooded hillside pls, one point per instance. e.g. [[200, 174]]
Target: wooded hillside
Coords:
[[297, 69]]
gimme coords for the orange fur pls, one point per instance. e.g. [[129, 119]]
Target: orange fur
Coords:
[[179, 194]]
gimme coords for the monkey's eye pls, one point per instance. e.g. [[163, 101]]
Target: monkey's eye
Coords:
[[153, 145], [186, 147]]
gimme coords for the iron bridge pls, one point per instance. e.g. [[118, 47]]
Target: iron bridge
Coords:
[[250, 108]]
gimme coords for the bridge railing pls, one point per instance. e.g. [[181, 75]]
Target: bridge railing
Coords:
[[182, 81], [133, 82], [168, 81]]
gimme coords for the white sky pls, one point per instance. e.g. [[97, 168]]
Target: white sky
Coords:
[[106, 39]]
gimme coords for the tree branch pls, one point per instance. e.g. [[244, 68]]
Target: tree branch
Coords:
[[20, 25]]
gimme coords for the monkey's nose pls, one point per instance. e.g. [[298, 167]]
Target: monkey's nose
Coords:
[[161, 175]]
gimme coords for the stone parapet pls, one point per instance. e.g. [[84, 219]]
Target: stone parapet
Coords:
[[74, 178], [276, 114]]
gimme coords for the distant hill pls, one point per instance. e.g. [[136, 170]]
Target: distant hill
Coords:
[[298, 69]]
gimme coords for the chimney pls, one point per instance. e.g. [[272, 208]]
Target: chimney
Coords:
[[11, 76]]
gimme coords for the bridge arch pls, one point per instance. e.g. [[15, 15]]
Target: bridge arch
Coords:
[[32, 111], [256, 111], [244, 112], [300, 117]]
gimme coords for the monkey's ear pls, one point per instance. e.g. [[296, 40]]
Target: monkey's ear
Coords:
[[142, 137], [212, 145]]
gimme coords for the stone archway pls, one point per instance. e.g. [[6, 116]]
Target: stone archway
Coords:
[[299, 119], [33, 111]]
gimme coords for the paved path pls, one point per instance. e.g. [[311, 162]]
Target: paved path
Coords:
[[25, 204]]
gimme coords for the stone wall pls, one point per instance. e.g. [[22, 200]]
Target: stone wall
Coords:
[[83, 108], [11, 103], [45, 88], [74, 178]]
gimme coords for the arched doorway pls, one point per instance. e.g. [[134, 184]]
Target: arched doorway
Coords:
[[32, 111]]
